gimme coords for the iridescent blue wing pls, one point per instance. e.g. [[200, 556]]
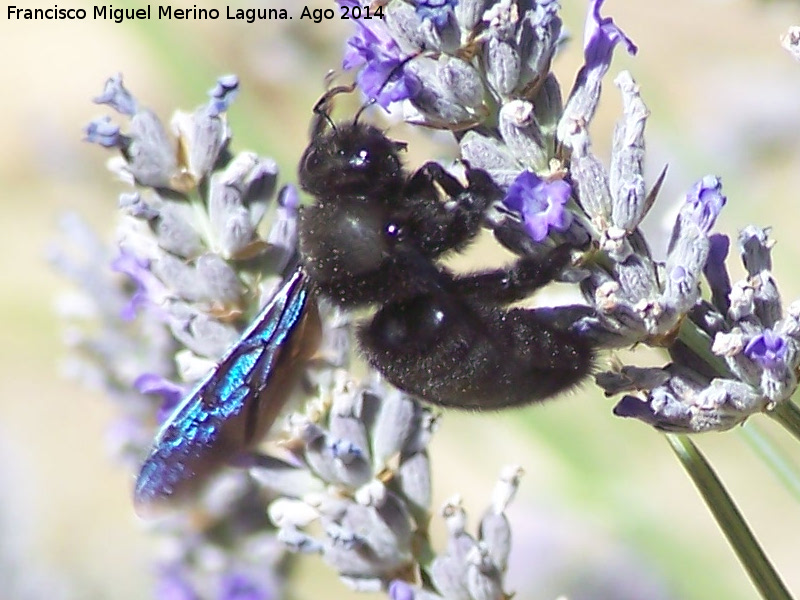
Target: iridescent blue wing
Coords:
[[233, 407]]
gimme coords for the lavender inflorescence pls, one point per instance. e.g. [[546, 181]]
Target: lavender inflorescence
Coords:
[[482, 71], [351, 478], [189, 242], [362, 475]]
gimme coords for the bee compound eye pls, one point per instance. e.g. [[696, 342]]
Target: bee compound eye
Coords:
[[311, 161]]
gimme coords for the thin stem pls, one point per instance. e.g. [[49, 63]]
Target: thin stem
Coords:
[[730, 520], [772, 455], [788, 415], [699, 342]]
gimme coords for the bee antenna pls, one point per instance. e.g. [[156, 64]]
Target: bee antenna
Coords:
[[324, 118], [364, 107], [323, 106]]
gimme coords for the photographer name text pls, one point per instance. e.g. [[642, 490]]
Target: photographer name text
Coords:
[[167, 12]]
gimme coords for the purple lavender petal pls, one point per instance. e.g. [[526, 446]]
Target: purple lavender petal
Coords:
[[170, 392], [148, 287], [387, 82], [400, 590], [679, 275], [716, 273], [172, 586], [436, 11], [223, 94], [240, 587], [105, 132], [601, 35], [540, 202], [117, 97], [768, 349], [289, 198], [382, 76], [705, 200]]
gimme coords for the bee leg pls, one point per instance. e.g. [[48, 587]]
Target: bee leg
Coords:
[[429, 175], [523, 277], [444, 214]]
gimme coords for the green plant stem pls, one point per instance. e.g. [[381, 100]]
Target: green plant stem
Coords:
[[699, 342], [788, 415], [777, 460], [730, 520]]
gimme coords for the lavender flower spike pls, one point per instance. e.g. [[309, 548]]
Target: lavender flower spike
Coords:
[[751, 364], [340, 451], [199, 264]]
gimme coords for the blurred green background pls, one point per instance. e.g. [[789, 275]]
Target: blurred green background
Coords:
[[602, 497]]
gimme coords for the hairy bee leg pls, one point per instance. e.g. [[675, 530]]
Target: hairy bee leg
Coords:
[[445, 214], [433, 173], [525, 276]]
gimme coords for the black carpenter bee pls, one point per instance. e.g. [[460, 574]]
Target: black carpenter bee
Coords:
[[374, 237]]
